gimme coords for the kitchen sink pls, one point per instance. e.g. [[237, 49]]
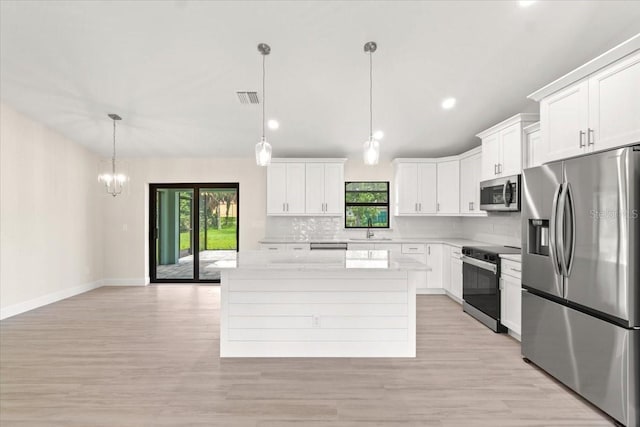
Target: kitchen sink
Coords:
[[372, 239]]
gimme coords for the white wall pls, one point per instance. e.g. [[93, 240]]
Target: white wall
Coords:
[[126, 216], [50, 216]]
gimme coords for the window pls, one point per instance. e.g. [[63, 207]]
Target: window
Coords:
[[366, 204]]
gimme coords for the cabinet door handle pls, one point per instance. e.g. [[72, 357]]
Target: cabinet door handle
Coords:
[[415, 208], [428, 250], [283, 208], [287, 207], [499, 167], [514, 269], [495, 169], [591, 137], [438, 207], [420, 207], [581, 138]]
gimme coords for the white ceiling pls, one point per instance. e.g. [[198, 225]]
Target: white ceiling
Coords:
[[171, 69]]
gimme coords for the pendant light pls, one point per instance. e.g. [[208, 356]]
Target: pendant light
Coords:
[[113, 180], [263, 148], [372, 145]]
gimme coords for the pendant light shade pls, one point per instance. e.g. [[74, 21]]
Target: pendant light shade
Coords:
[[371, 149], [263, 152], [263, 148], [112, 176]]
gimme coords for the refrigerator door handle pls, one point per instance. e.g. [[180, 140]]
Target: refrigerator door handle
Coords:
[[552, 230], [572, 216], [562, 253]]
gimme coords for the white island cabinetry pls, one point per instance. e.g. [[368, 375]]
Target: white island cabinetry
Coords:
[[319, 304]]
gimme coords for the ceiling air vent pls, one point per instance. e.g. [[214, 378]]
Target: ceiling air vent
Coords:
[[248, 97]]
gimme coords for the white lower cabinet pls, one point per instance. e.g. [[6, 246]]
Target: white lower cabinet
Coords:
[[273, 246], [452, 272], [417, 251], [456, 276], [434, 261], [510, 296], [285, 246]]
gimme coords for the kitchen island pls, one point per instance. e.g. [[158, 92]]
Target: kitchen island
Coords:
[[319, 304]]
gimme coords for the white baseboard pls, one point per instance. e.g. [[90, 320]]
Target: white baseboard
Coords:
[[31, 304], [515, 335], [453, 297], [126, 282], [431, 291]]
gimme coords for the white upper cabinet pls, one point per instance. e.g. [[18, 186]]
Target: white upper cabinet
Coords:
[[593, 108], [502, 147], [305, 187], [333, 188], [427, 196], [406, 189], [315, 188], [470, 164], [490, 156], [564, 122], [285, 189], [614, 105], [511, 150], [324, 188], [448, 187], [532, 146], [415, 188]]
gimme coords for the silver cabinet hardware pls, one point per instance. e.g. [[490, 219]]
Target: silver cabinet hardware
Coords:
[[581, 138], [415, 208], [429, 250], [590, 137], [495, 169], [499, 167], [438, 207], [514, 269], [420, 207], [283, 208]]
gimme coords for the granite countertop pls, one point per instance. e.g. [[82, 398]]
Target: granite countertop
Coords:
[[322, 260], [512, 257], [458, 242]]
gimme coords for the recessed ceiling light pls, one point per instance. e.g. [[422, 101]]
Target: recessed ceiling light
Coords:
[[526, 3], [448, 103], [378, 134], [273, 124]]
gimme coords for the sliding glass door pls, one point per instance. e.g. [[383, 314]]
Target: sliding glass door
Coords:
[[194, 229]]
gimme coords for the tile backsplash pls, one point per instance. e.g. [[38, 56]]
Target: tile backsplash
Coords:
[[500, 229], [497, 228]]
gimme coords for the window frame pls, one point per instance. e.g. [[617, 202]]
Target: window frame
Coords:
[[365, 204]]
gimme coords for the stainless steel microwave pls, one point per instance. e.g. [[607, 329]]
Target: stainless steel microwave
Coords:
[[500, 194]]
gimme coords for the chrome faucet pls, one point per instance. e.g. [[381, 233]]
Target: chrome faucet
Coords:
[[369, 232]]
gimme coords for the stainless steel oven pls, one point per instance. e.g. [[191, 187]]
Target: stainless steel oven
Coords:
[[481, 283], [500, 194]]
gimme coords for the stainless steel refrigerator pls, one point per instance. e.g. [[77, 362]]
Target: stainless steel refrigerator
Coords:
[[581, 276]]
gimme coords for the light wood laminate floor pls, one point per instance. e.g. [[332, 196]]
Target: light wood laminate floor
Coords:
[[148, 356]]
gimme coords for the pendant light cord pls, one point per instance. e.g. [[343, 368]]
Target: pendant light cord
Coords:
[[264, 95], [370, 95], [113, 159]]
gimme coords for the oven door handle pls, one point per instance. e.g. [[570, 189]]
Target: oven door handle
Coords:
[[481, 264]]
